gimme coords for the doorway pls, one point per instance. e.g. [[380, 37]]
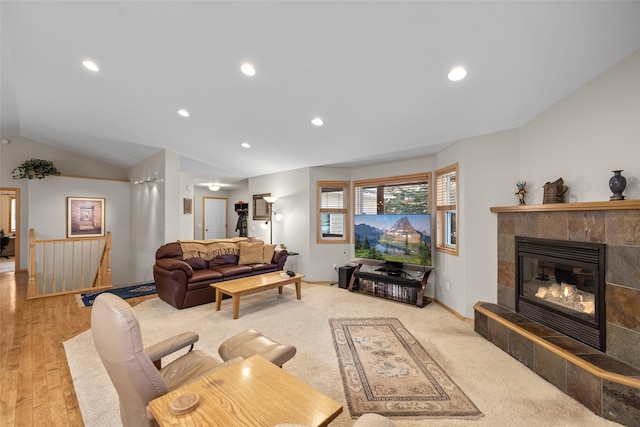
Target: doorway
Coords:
[[10, 229], [215, 218]]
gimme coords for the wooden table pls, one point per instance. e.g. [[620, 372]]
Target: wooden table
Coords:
[[252, 393], [252, 284]]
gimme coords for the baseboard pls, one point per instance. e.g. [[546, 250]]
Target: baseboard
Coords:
[[451, 310]]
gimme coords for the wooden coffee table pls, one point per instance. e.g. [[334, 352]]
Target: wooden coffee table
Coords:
[[251, 393], [252, 284]]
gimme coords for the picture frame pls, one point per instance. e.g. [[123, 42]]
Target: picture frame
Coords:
[[260, 207], [85, 217], [187, 207]]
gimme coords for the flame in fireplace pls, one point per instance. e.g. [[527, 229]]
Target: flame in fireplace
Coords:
[[568, 296]]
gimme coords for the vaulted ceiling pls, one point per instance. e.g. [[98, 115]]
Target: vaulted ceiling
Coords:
[[375, 72]]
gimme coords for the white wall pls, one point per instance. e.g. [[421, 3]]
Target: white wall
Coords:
[[147, 214], [48, 207], [488, 179], [292, 190], [587, 135], [187, 221]]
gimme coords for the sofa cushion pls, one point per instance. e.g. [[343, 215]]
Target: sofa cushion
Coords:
[[261, 267], [267, 253], [204, 276], [197, 263], [223, 260], [232, 270], [250, 253]]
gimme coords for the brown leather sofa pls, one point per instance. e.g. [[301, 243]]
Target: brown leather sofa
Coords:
[[183, 280]]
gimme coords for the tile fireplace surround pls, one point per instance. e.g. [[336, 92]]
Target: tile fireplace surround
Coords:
[[608, 384]]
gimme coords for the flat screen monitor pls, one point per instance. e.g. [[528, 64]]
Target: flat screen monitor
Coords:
[[398, 238]]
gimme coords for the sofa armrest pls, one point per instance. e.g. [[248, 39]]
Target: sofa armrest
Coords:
[[175, 264], [280, 257], [170, 345]]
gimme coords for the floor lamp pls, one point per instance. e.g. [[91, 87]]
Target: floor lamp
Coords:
[[270, 200]]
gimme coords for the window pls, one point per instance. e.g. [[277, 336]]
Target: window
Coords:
[[333, 212], [380, 197], [447, 209], [392, 220]]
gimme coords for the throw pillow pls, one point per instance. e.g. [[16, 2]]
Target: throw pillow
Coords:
[[196, 263], [250, 253], [267, 253]]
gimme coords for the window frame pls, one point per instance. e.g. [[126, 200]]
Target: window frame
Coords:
[[344, 211], [396, 180], [444, 211]]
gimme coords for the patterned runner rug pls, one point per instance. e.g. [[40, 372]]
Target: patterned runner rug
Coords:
[[124, 292], [386, 371]]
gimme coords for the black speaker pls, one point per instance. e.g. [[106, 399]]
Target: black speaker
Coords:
[[344, 276]]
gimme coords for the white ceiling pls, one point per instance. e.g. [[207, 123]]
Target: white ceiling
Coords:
[[374, 71]]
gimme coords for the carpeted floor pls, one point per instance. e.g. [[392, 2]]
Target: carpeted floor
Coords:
[[506, 392]]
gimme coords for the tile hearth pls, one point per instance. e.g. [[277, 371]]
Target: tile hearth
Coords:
[[605, 385]]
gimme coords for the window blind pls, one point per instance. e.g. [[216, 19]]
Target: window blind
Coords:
[[446, 190]]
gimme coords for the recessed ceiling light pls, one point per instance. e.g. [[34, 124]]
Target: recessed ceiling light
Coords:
[[456, 74], [248, 69], [183, 112], [317, 121], [245, 145], [90, 65]]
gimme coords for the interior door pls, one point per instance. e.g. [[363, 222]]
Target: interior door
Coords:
[[215, 218]]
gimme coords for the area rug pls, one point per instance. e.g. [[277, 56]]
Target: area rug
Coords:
[[124, 292], [386, 371]]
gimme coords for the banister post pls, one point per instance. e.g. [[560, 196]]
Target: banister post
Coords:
[[32, 256], [107, 248]]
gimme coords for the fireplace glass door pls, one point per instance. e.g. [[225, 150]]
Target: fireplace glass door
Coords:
[[561, 285]]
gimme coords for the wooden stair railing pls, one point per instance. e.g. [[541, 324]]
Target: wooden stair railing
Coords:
[[61, 266]]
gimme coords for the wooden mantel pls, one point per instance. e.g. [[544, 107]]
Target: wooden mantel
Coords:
[[563, 207]]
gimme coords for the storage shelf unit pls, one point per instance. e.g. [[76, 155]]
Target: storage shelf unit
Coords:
[[396, 288]]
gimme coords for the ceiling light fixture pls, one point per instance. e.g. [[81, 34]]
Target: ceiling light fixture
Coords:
[[183, 112], [90, 65], [248, 69], [214, 187], [457, 74], [317, 121], [245, 145]]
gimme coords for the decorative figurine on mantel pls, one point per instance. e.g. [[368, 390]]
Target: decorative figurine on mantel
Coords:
[[522, 191]]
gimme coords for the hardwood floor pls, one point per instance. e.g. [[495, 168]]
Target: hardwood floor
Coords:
[[35, 383]]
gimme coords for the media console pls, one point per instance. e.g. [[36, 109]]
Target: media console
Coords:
[[404, 284]]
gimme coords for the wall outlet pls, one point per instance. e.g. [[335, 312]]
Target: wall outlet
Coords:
[[335, 266], [446, 285]]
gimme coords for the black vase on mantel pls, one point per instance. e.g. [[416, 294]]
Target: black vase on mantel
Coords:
[[617, 184]]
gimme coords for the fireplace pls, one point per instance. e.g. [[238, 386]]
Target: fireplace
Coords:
[[561, 285]]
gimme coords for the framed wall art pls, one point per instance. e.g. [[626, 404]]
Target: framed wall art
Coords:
[[85, 217], [260, 207], [187, 206]]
